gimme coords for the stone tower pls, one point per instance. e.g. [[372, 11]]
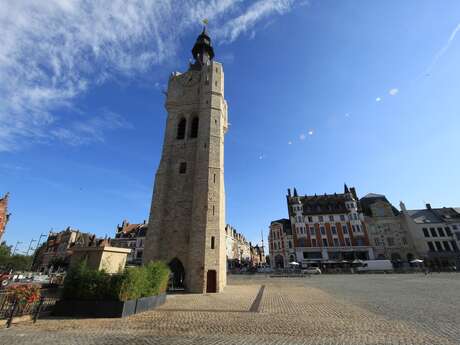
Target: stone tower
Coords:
[[187, 216]]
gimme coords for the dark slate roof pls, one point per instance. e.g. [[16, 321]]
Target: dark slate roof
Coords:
[[447, 213], [373, 195], [371, 198], [434, 215], [424, 216], [286, 225], [318, 204]]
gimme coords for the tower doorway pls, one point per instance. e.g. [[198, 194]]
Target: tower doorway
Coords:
[[177, 280], [211, 281]]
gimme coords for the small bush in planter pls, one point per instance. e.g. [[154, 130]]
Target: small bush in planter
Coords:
[[83, 283]]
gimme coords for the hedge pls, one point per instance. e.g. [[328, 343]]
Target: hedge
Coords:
[[83, 283]]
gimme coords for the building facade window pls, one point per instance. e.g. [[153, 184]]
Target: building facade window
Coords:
[[345, 229], [194, 129], [342, 217], [313, 242], [425, 232], [310, 219], [438, 246], [334, 230], [312, 231], [321, 218], [181, 128], [347, 242], [441, 232], [448, 232], [212, 242], [433, 232], [391, 241], [325, 242], [336, 242], [446, 246], [431, 247], [331, 218], [322, 230], [182, 168]]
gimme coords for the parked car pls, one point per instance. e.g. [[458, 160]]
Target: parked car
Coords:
[[311, 270]]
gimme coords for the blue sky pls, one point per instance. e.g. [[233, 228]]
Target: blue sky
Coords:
[[320, 92]]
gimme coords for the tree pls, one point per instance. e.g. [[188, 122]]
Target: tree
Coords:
[[15, 262]]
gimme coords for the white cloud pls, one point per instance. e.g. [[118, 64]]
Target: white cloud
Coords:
[[302, 136], [311, 132], [246, 21], [444, 49], [393, 92], [53, 51], [347, 115], [289, 142], [378, 99]]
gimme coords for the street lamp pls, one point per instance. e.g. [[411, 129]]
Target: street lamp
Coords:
[[30, 246], [16, 247]]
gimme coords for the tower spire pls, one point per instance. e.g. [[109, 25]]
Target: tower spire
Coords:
[[202, 51]]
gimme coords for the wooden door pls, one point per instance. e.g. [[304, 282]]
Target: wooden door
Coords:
[[211, 281]]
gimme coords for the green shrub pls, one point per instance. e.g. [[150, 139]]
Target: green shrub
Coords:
[[83, 283], [158, 276]]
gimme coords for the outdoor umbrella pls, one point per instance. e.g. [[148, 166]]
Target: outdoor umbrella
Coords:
[[416, 261], [294, 263]]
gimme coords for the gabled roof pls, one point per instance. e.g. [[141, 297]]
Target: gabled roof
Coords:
[[373, 195], [372, 198]]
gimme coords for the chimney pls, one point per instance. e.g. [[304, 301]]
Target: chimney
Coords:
[[428, 206]]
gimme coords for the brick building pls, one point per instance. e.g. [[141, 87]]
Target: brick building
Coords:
[[324, 230], [131, 236], [281, 243], [58, 248], [4, 215]]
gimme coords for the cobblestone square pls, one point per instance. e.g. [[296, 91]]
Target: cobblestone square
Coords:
[[327, 309]]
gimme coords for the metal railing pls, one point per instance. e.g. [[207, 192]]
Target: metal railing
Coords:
[[11, 308]]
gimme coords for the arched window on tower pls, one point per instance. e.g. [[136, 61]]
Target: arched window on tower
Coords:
[[181, 129], [194, 129]]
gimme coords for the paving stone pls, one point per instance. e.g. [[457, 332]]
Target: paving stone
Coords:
[[340, 309]]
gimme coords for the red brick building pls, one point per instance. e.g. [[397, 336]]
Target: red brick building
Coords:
[[328, 230], [3, 214]]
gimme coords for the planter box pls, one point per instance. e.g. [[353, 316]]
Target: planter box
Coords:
[[107, 308]]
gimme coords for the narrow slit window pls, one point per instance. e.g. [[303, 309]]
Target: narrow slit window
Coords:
[[213, 209], [182, 168], [214, 178], [181, 129], [212, 242], [194, 129]]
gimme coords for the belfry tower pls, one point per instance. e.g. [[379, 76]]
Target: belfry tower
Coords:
[[187, 217]]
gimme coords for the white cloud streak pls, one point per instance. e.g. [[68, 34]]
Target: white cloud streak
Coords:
[[444, 49], [55, 50], [247, 20]]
